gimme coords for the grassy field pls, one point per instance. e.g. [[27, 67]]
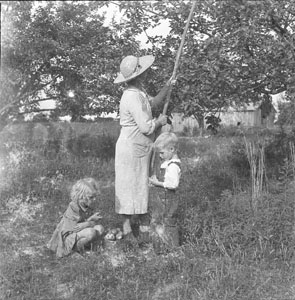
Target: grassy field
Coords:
[[237, 239]]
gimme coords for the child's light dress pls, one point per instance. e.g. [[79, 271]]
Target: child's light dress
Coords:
[[64, 239]]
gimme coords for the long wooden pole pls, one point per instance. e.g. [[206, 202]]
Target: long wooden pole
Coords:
[[153, 171], [179, 54]]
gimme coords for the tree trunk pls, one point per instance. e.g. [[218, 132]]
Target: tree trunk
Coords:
[[200, 118]]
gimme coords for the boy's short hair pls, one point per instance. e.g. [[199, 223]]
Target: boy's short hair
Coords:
[[166, 139], [84, 188]]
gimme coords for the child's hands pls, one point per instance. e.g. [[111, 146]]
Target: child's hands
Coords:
[[80, 226], [153, 180], [162, 119], [95, 217]]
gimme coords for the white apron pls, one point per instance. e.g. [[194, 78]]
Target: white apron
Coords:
[[133, 152]]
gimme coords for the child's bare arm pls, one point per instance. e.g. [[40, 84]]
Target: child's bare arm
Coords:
[[90, 222], [155, 181], [95, 217], [82, 225]]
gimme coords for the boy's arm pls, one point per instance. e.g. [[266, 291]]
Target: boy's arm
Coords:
[[171, 180], [155, 181]]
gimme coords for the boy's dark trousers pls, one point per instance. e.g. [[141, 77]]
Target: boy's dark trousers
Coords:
[[163, 206]]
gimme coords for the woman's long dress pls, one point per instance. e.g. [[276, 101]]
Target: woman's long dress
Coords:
[[133, 152]]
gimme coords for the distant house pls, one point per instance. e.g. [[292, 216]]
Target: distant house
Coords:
[[249, 115], [181, 123]]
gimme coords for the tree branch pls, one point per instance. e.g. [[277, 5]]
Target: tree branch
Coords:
[[38, 88], [197, 28], [148, 37], [290, 12], [36, 111], [39, 100], [8, 106], [277, 27], [145, 9], [12, 104], [249, 51], [277, 90]]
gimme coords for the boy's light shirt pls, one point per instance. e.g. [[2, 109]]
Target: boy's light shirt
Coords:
[[172, 173]]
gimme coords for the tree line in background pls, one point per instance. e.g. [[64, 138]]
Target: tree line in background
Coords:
[[236, 51]]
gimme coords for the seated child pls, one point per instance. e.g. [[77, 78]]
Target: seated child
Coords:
[[164, 207], [77, 229]]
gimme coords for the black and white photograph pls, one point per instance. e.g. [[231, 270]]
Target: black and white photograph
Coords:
[[147, 150]]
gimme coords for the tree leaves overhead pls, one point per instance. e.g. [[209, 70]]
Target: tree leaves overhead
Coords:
[[236, 51], [58, 47]]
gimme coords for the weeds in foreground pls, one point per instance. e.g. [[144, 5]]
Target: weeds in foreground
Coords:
[[255, 156], [226, 253]]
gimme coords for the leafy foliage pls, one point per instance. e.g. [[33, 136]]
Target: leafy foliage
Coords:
[[93, 146], [213, 123], [235, 52], [56, 48], [286, 116]]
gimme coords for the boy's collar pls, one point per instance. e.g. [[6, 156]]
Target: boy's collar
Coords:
[[165, 164]]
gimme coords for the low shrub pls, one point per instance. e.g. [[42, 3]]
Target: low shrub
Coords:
[[26, 173], [278, 148], [230, 131], [87, 145], [187, 147], [238, 160]]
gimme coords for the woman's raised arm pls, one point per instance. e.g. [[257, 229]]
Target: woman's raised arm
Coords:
[[158, 101]]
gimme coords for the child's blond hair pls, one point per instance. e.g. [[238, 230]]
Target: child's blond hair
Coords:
[[166, 139], [84, 188]]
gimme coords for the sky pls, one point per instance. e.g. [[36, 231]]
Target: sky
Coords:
[[163, 29]]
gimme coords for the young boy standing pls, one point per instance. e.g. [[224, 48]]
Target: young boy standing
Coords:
[[166, 182]]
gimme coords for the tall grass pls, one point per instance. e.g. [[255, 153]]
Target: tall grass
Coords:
[[227, 252], [255, 156]]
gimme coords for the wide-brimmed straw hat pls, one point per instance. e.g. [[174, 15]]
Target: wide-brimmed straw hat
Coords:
[[132, 66]]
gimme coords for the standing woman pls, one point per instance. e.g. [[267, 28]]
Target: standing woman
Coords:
[[134, 145]]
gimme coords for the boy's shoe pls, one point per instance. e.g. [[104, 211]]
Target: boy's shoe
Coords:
[[146, 248], [159, 247], [128, 243], [144, 239], [169, 221]]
